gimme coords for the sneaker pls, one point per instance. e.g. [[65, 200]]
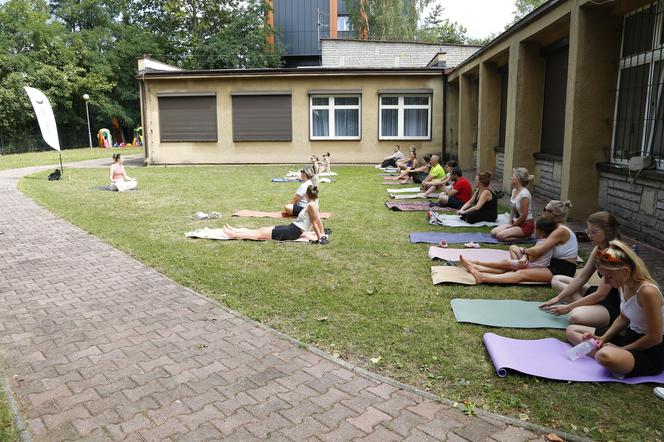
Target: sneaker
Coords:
[[659, 392], [472, 245]]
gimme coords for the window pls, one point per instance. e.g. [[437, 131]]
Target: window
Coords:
[[343, 23], [187, 117], [555, 94], [504, 78], [335, 117], [405, 117], [262, 116], [639, 114]]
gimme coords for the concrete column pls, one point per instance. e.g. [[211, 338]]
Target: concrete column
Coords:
[[452, 120], [525, 102], [467, 120], [594, 45], [488, 117]]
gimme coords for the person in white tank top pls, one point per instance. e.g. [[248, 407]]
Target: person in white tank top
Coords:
[[640, 352]]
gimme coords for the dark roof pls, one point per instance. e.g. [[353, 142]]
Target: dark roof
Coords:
[[402, 41]]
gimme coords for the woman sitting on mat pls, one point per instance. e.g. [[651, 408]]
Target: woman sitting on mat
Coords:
[[521, 216], [120, 181], [640, 352], [595, 306], [483, 205], [307, 220], [561, 243], [326, 165], [417, 173], [299, 201], [407, 162]]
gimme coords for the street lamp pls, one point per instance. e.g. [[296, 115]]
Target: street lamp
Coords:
[[86, 97]]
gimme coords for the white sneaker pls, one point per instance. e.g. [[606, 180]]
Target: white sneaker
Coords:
[[659, 392]]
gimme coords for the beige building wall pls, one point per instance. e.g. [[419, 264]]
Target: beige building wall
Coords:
[[367, 150], [489, 116]]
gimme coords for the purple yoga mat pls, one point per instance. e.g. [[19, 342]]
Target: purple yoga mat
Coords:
[[413, 206], [546, 358], [458, 238]]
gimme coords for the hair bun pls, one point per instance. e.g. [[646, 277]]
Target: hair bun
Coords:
[[531, 177]]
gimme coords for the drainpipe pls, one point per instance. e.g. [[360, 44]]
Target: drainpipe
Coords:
[[444, 116]]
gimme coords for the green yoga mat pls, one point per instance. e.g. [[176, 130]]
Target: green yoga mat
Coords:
[[511, 314]]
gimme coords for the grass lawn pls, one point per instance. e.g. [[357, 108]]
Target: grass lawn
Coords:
[[18, 160], [367, 295], [7, 433]]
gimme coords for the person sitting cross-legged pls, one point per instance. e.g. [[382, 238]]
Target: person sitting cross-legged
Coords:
[[460, 192]]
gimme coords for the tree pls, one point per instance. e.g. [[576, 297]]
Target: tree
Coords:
[[441, 30], [525, 7], [389, 19]]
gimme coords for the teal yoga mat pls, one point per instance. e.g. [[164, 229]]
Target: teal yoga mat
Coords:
[[508, 313]]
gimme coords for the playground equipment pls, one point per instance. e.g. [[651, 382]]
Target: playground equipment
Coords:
[[138, 137], [105, 138]]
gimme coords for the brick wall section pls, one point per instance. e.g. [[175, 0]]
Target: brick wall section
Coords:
[[500, 163], [639, 207], [547, 183], [380, 54]]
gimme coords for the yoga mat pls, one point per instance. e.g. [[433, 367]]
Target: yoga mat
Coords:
[[459, 275], [546, 358], [410, 196], [297, 174], [487, 255], [459, 238], [259, 214], [219, 234], [506, 313], [455, 221], [285, 180], [405, 190], [413, 206], [390, 178]]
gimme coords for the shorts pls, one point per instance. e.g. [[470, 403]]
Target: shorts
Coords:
[[290, 232], [418, 177], [528, 227], [648, 362], [297, 209], [611, 303], [454, 202], [562, 267]]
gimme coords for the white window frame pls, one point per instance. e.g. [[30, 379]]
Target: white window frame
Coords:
[[401, 107], [346, 21], [331, 107], [650, 57]]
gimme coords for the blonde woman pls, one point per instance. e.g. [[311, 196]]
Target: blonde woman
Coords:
[[522, 223], [640, 352]]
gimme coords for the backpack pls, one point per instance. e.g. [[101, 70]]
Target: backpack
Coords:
[[56, 175]]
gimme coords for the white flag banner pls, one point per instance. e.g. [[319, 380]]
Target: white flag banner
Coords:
[[44, 116]]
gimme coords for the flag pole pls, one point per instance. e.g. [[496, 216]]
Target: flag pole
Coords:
[[62, 171]]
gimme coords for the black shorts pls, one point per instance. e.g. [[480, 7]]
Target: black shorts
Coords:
[[418, 177], [611, 303], [454, 202], [648, 362], [562, 267], [297, 209], [290, 232]]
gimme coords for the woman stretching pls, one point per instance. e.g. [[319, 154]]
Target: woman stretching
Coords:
[[120, 181], [640, 352], [483, 205], [307, 220], [595, 306], [561, 243], [521, 216]]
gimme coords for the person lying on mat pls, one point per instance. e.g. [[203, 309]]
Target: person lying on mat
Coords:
[[521, 216], [300, 201], [460, 192], [407, 161], [438, 177], [391, 160], [595, 306], [483, 206], [561, 243], [120, 181], [308, 219], [640, 352]]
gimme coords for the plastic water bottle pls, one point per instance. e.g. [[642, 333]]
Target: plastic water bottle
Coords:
[[581, 349]]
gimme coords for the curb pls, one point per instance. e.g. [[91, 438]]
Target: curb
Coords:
[[17, 418]]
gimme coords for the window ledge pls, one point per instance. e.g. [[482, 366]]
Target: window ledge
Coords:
[[621, 169], [547, 156], [499, 149]]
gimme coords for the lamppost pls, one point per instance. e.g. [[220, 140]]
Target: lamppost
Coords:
[[86, 97]]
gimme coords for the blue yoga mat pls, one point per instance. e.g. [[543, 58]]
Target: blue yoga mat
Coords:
[[458, 238]]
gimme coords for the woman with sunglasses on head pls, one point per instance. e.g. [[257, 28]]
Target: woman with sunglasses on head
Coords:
[[640, 352], [561, 243], [595, 306]]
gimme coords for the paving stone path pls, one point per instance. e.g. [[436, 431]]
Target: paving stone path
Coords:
[[96, 346]]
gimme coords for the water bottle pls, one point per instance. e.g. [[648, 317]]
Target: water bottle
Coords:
[[636, 249], [581, 349]]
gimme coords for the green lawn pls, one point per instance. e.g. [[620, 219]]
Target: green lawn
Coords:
[[15, 161], [365, 296], [7, 433]]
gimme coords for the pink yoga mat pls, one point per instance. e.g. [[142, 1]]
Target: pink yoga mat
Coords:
[[258, 214], [487, 255], [546, 358], [391, 178]]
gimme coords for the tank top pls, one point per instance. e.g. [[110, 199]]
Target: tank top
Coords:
[[568, 250], [303, 221], [118, 172], [515, 201], [634, 312]]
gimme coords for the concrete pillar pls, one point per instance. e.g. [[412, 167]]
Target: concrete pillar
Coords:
[[488, 116], [594, 45], [452, 120], [525, 102], [467, 120]]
